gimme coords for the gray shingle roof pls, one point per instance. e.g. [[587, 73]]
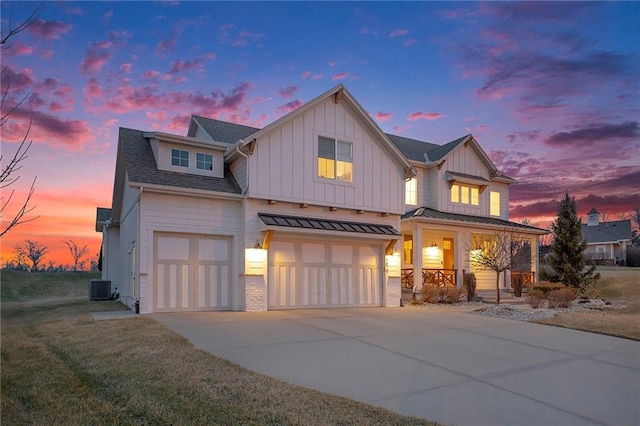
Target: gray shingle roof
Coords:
[[223, 131], [436, 154], [456, 217], [607, 232], [413, 149], [326, 224], [140, 163]]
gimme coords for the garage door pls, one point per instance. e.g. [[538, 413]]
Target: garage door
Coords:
[[192, 273], [318, 274]]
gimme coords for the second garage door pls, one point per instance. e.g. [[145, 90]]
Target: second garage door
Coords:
[[192, 272], [307, 274]]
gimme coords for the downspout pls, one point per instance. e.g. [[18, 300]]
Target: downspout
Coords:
[[245, 190], [137, 254]]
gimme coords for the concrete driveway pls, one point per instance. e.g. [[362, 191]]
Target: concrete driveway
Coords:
[[436, 363]]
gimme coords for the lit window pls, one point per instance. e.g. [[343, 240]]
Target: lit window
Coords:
[[204, 161], [411, 192], [494, 203], [335, 159], [464, 194], [455, 193], [474, 196], [179, 158]]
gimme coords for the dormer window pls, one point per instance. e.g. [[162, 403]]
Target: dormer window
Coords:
[[179, 158], [204, 161], [335, 159]]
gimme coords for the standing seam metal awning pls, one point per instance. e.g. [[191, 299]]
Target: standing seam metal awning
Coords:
[[326, 225]]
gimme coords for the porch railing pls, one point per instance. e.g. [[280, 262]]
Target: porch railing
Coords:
[[433, 276]]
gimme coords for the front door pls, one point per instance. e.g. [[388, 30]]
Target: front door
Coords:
[[447, 253]]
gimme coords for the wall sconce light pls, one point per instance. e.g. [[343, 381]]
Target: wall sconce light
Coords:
[[434, 245], [254, 259], [393, 264], [433, 251], [257, 245]]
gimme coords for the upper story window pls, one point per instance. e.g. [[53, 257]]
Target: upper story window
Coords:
[[411, 192], [465, 194], [335, 159], [179, 158], [494, 203], [204, 161]]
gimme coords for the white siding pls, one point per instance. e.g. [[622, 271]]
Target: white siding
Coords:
[[163, 159], [283, 165], [239, 170], [128, 240], [189, 215]]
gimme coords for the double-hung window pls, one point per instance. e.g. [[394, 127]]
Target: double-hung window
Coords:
[[179, 158], [335, 159], [494, 203], [204, 161], [411, 192]]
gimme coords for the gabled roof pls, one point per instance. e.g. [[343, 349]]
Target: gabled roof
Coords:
[[438, 153], [413, 149], [425, 212], [221, 131], [593, 211], [137, 162], [607, 232]]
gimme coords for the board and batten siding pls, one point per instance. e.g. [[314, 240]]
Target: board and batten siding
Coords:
[[239, 171], [128, 240], [284, 164], [187, 215]]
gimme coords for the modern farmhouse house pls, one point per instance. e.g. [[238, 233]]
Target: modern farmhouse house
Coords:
[[607, 241], [320, 208]]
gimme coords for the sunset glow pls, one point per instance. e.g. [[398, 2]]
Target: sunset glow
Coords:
[[549, 90]]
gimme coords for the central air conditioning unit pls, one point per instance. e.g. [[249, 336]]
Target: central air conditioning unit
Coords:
[[99, 290]]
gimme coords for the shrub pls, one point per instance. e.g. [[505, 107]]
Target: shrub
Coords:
[[429, 293], [434, 294], [469, 282], [449, 294], [546, 287], [561, 298], [517, 284], [536, 298]]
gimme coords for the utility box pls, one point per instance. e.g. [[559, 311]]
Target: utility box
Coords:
[[99, 290]]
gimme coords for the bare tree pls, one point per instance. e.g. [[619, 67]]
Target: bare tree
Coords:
[[8, 106], [34, 251], [77, 253], [635, 225], [23, 25], [498, 252]]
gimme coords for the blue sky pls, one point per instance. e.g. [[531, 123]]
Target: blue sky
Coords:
[[550, 90]]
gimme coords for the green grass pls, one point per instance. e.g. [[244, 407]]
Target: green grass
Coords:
[[24, 286], [59, 366]]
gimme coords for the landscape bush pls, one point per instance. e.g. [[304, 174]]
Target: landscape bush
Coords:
[[536, 298], [469, 282], [435, 294], [561, 298]]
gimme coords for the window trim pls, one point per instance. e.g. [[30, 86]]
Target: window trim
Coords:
[[466, 194], [335, 160], [204, 162], [180, 158]]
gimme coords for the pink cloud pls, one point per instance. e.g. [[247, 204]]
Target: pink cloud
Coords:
[[47, 129], [190, 65], [287, 92], [383, 116], [94, 61], [46, 54], [21, 49], [48, 29], [305, 74], [418, 115], [339, 76], [317, 76], [240, 39], [125, 68], [150, 74], [16, 80], [409, 42], [93, 89], [398, 33], [289, 106], [332, 63]]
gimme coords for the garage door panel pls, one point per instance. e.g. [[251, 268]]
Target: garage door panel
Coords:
[[192, 273], [323, 274]]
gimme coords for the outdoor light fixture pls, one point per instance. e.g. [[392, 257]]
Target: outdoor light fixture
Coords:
[[254, 259], [433, 250], [257, 245], [393, 264]]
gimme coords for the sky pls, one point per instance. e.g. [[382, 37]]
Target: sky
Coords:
[[551, 91]]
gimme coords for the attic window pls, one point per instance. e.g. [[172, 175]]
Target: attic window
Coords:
[[179, 158], [204, 161], [335, 159]]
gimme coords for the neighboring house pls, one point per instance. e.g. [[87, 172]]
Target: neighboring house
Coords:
[[305, 212], [606, 241]]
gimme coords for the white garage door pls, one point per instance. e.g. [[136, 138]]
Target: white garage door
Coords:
[[192, 273], [319, 274]]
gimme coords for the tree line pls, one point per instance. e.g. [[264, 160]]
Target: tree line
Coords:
[[30, 257]]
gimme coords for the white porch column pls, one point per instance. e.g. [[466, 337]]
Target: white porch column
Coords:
[[417, 259], [462, 242]]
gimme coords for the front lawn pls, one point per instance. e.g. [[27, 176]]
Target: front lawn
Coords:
[[59, 366]]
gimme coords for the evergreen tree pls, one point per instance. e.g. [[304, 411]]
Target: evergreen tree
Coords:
[[567, 250]]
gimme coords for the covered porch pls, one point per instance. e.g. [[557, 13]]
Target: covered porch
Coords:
[[439, 251]]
